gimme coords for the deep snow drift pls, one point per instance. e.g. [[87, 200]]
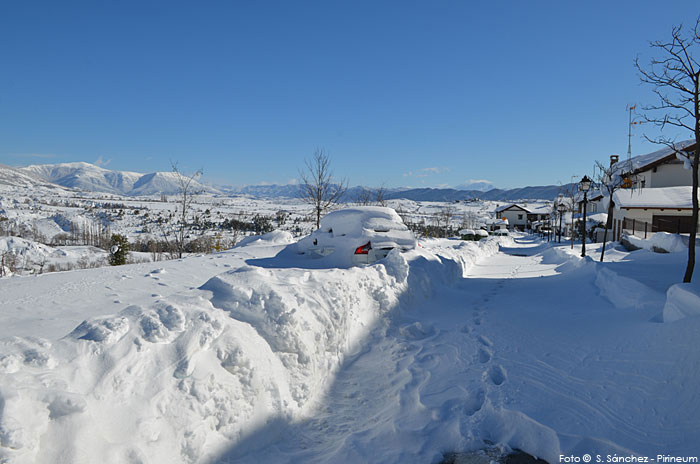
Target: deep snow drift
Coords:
[[446, 348]]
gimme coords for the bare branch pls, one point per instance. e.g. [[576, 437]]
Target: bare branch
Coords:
[[318, 188]]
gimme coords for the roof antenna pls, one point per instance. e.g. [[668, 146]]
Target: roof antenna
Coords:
[[630, 108]]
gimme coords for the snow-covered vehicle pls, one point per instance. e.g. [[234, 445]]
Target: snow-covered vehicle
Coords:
[[364, 234]]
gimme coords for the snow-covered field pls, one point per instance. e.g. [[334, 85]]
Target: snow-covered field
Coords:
[[243, 356]]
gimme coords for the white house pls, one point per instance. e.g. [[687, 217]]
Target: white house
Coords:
[[521, 217], [658, 193], [516, 216]]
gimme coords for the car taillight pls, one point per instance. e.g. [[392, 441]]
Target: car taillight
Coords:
[[364, 249]]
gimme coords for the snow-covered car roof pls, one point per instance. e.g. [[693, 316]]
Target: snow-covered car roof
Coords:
[[361, 221]]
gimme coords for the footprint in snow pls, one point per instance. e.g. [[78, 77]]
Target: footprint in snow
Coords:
[[417, 331], [484, 355], [484, 340], [497, 375], [461, 407], [474, 403]]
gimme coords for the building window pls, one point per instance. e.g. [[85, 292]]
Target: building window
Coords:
[[520, 217]]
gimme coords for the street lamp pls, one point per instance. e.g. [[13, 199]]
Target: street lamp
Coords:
[[584, 186], [561, 207]]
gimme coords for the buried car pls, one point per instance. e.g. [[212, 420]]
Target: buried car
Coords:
[[361, 235]]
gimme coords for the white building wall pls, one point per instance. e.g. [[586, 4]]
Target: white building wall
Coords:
[[513, 220], [669, 175], [646, 215]]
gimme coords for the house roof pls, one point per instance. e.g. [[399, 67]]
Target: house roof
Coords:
[[513, 206], [641, 163], [541, 209], [665, 197]]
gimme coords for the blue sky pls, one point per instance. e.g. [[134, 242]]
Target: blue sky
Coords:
[[404, 93]]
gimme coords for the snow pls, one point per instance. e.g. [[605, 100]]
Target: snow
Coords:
[[660, 241], [363, 220], [253, 355], [663, 197], [682, 300]]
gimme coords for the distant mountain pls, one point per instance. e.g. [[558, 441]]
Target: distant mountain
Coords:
[[547, 192], [480, 185], [544, 192], [86, 176], [264, 191], [293, 191]]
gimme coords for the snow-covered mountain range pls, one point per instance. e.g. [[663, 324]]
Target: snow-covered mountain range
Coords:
[[92, 178], [86, 176]]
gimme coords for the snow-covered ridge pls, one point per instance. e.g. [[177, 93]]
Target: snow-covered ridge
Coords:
[[86, 176], [19, 177]]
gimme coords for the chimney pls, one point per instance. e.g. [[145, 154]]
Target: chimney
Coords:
[[614, 159]]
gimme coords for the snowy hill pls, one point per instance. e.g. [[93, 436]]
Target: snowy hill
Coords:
[[15, 177], [86, 176]]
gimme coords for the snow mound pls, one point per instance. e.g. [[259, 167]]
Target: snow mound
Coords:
[[682, 300], [659, 241], [276, 237], [623, 292]]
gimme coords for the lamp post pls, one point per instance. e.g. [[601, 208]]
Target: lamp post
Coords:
[[584, 186], [561, 207]]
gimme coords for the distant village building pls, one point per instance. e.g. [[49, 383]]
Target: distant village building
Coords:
[[522, 217]]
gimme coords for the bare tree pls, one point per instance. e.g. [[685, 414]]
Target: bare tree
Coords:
[[446, 213], [569, 194], [380, 195], [611, 179], [368, 196], [187, 190], [364, 196], [675, 77], [318, 188]]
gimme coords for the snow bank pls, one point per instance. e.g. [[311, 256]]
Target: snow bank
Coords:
[[622, 291], [682, 300], [186, 377], [276, 237], [659, 241]]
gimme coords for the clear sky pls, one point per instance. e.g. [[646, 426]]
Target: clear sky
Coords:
[[404, 93]]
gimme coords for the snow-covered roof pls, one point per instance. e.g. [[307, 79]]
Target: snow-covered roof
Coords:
[[639, 163], [665, 197], [511, 205], [540, 209]]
